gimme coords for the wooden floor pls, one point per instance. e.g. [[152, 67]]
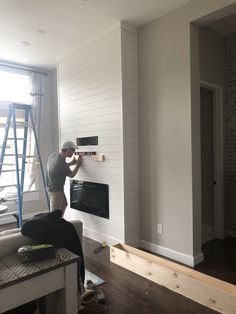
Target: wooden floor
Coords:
[[128, 293]]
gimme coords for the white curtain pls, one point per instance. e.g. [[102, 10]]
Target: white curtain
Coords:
[[37, 81]]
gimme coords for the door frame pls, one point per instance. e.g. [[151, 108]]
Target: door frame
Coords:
[[218, 124]]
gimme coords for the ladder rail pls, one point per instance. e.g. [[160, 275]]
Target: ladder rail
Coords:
[[23, 161], [19, 186]]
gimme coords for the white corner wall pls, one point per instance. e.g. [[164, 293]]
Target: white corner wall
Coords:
[[91, 103]]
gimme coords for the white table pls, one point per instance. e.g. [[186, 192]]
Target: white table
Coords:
[[21, 283]]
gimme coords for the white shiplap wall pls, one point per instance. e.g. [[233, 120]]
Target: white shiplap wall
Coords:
[[91, 104]]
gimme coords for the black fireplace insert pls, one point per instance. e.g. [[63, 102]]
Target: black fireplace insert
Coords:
[[90, 197]]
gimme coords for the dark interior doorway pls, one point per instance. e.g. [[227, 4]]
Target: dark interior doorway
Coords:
[[207, 163]]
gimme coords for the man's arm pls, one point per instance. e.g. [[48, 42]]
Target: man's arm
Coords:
[[77, 166]]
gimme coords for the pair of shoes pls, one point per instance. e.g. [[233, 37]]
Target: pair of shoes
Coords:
[[99, 293]]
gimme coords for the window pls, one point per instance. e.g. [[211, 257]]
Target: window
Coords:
[[14, 87]]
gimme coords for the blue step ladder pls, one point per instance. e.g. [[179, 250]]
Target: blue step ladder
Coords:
[[27, 122]]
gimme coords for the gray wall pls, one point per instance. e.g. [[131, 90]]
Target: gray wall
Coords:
[[169, 128]]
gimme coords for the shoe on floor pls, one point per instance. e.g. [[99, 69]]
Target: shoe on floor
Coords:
[[88, 296]]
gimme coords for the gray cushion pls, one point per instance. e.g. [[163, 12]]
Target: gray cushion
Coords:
[[10, 243]]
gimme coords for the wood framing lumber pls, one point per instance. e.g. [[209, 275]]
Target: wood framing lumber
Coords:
[[209, 291], [98, 157]]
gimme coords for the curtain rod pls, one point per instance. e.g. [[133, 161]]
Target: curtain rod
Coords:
[[14, 66]]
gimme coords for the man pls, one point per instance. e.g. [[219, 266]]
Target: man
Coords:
[[57, 171]]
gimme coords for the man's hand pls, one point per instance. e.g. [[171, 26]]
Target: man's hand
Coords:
[[77, 166], [73, 162]]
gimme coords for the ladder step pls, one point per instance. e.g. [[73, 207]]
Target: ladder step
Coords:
[[19, 123]]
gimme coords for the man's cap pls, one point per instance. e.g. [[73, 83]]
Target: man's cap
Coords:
[[68, 145]]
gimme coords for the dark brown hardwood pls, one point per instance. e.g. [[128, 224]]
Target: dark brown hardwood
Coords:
[[128, 293]]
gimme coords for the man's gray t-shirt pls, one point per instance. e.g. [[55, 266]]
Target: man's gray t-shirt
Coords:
[[57, 170]]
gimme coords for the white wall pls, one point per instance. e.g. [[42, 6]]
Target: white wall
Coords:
[[92, 103], [165, 134], [170, 133]]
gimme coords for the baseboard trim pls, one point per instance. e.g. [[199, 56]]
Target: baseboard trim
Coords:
[[175, 255]]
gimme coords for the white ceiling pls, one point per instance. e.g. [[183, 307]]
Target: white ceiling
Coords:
[[55, 27]]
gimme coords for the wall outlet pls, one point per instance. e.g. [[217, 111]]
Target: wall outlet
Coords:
[[160, 228]]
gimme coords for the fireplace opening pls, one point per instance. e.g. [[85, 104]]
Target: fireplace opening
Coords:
[[90, 197]]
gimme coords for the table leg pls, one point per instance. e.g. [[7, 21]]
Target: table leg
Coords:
[[68, 297]]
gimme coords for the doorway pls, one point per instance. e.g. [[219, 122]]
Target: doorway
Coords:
[[212, 185]]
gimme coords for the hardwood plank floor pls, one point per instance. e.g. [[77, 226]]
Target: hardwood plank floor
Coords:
[[128, 293]]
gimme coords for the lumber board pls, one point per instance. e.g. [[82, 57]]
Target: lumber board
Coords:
[[206, 290]]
